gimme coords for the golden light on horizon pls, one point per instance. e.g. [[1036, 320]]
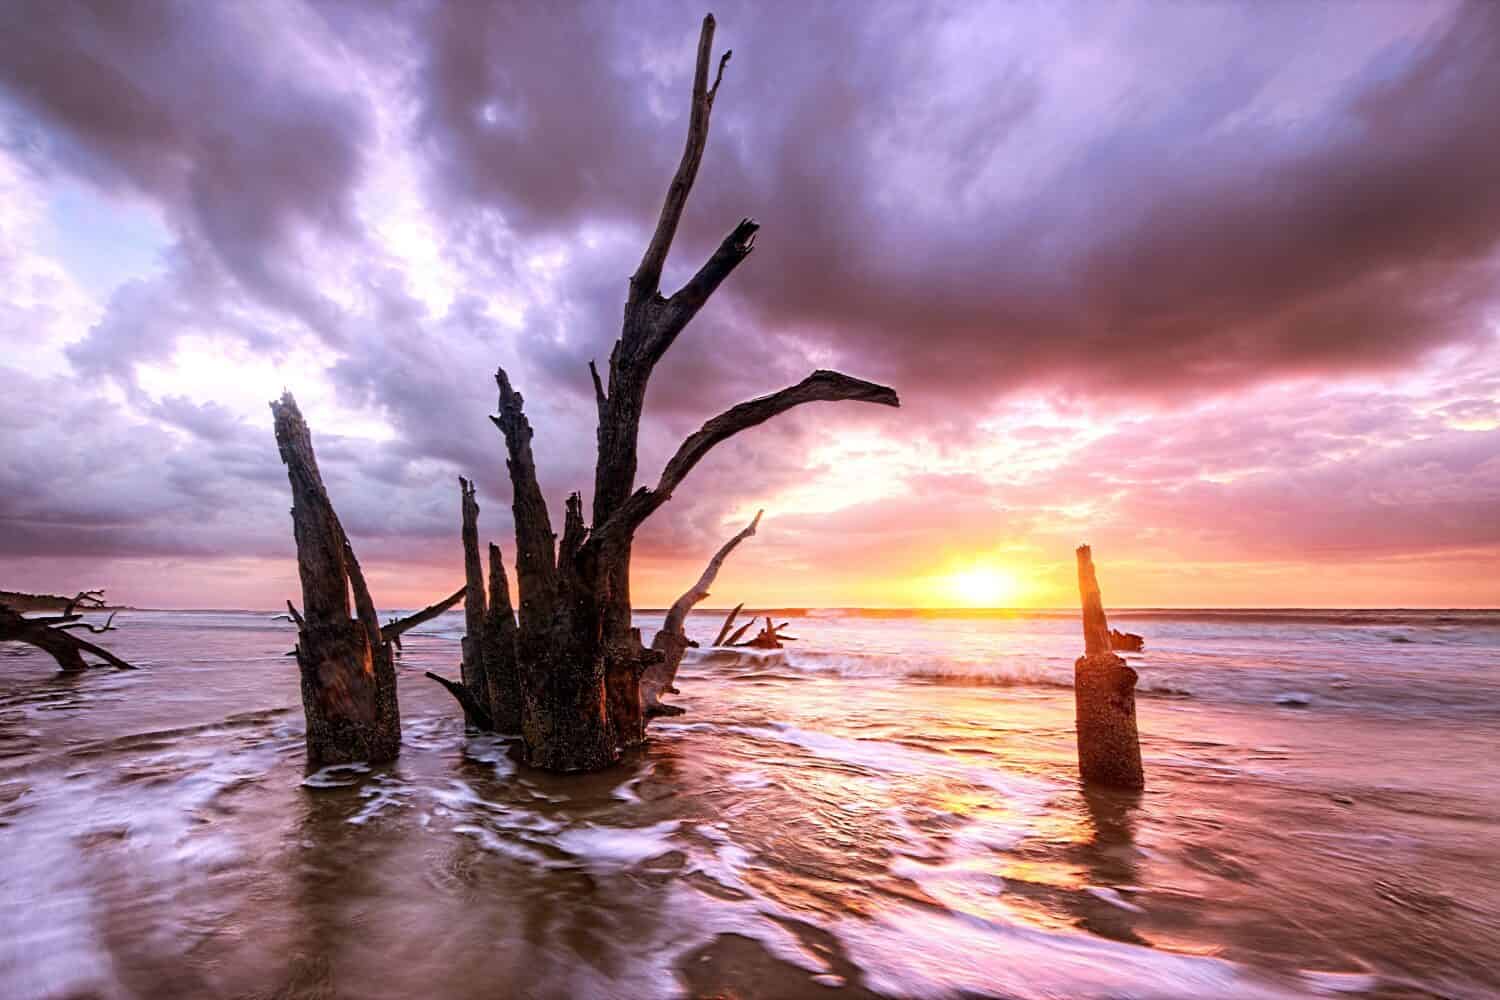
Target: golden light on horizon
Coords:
[[981, 586]]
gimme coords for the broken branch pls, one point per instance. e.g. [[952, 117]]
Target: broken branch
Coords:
[[391, 631]]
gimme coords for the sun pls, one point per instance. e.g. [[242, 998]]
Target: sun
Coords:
[[982, 587]]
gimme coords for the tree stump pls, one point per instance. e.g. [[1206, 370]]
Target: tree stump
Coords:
[[1109, 747]]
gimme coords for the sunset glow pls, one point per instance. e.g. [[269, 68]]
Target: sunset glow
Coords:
[[1179, 331], [981, 587]]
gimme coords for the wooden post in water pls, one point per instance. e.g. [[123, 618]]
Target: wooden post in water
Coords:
[[1109, 748]]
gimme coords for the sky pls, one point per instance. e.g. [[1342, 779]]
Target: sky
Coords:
[[1210, 286]]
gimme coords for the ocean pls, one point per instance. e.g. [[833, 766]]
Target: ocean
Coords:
[[887, 808]]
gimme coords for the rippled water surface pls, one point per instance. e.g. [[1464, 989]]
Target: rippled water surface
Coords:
[[887, 809]]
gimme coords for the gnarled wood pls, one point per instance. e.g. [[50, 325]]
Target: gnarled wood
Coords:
[[1109, 747], [821, 385], [52, 634], [672, 641], [579, 661]]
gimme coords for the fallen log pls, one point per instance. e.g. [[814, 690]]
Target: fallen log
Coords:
[[1109, 747], [672, 641], [54, 636], [766, 638]]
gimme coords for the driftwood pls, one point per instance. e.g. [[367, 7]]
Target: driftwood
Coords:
[[728, 624], [1109, 747], [346, 664], [769, 637], [579, 661], [53, 634], [672, 641], [393, 630], [489, 692]]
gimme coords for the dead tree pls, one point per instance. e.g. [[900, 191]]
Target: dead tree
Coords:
[[579, 660], [769, 637], [348, 677], [53, 633], [490, 688], [1109, 747], [672, 641]]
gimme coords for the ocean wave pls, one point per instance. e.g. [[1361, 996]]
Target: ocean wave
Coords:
[[1014, 671]]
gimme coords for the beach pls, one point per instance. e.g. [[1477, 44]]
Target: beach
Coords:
[[887, 808]]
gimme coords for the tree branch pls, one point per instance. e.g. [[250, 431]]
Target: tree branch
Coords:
[[677, 615], [671, 640], [473, 711], [728, 623], [108, 625], [600, 399], [690, 298], [399, 627], [647, 278], [62, 645], [821, 385]]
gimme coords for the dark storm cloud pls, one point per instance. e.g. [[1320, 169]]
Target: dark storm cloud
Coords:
[[1191, 239]]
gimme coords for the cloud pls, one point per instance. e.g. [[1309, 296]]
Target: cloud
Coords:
[[1192, 278]]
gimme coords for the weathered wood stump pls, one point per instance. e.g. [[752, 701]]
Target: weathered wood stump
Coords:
[[346, 664], [1109, 747], [348, 677]]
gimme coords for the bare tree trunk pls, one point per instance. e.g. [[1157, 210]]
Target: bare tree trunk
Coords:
[[348, 677], [579, 661], [672, 641], [1109, 747]]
